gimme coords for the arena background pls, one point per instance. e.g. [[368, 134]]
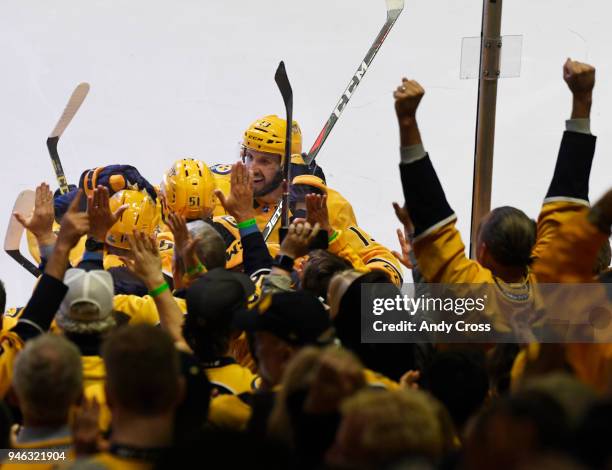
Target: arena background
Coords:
[[184, 78]]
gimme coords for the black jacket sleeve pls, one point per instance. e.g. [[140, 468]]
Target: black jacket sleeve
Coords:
[[425, 199], [41, 308], [255, 255], [573, 168]]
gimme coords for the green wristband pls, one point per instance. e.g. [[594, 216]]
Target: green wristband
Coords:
[[247, 223], [196, 269], [333, 236], [158, 290]]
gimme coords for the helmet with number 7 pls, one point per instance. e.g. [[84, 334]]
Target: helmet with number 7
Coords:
[[188, 189], [141, 214]]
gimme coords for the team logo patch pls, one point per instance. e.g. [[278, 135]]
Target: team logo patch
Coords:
[[221, 168]]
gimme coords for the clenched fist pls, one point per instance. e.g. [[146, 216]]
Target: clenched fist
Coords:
[[580, 78], [407, 98]]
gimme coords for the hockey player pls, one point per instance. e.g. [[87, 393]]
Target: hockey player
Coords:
[[263, 148], [187, 189], [140, 214]]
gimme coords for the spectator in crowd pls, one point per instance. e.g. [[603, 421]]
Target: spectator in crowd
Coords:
[[457, 378], [306, 413], [143, 388], [508, 240], [379, 428], [48, 381], [513, 430]]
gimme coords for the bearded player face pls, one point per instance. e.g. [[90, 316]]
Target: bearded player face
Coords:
[[266, 169]]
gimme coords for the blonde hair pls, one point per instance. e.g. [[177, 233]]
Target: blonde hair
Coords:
[[299, 375], [399, 422]]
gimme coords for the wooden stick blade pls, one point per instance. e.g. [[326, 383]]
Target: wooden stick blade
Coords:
[[394, 8], [24, 204], [74, 103]]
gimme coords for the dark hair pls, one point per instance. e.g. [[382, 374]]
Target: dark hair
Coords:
[[391, 360], [210, 339], [509, 235], [592, 439], [458, 379], [499, 362], [543, 411], [142, 369], [319, 269], [2, 297]]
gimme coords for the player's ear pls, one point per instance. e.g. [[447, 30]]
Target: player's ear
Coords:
[[481, 252]]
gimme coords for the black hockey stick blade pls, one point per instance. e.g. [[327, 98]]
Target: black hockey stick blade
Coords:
[[74, 103], [24, 204], [282, 81], [57, 164]]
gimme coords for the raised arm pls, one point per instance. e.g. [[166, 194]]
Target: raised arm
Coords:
[[568, 192], [50, 290], [438, 247], [239, 204]]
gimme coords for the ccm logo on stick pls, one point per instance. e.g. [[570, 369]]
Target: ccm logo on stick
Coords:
[[349, 91]]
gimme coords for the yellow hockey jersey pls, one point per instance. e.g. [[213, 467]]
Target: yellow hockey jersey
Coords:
[[342, 218], [228, 377], [94, 377]]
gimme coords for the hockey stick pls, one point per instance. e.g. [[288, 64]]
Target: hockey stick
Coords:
[[394, 8], [24, 205], [74, 103], [282, 81]]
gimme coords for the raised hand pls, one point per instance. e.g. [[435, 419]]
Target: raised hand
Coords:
[[297, 241], [40, 222], [403, 236], [100, 216], [407, 98], [580, 79], [74, 224], [316, 211], [239, 202], [145, 261], [185, 245], [410, 379], [178, 226]]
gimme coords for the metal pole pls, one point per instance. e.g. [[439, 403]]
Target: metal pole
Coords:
[[490, 51]]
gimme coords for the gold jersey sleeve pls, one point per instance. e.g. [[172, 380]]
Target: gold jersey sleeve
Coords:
[[231, 379], [372, 254], [229, 412], [10, 345], [552, 216], [141, 309], [94, 377]]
